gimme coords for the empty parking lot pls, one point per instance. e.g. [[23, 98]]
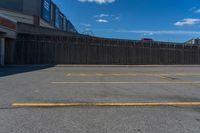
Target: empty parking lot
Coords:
[[141, 99]]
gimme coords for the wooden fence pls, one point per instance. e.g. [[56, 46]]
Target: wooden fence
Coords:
[[44, 49]]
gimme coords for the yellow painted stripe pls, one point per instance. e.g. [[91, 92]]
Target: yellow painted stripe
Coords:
[[194, 82], [104, 104], [132, 74], [69, 74]]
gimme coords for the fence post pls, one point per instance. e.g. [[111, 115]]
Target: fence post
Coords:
[[2, 51]]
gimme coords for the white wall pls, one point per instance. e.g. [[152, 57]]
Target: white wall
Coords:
[[18, 16], [45, 24]]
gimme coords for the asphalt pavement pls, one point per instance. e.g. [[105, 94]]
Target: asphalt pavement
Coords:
[[100, 99]]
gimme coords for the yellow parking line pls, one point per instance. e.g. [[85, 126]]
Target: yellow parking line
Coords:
[[116, 74], [192, 82], [165, 77], [105, 104], [133, 74], [69, 74], [83, 74], [99, 74]]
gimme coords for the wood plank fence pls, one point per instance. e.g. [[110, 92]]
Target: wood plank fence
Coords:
[[44, 49]]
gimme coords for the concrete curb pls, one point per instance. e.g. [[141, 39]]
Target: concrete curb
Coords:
[[47, 65]]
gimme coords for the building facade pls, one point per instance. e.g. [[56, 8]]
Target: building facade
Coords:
[[38, 12], [193, 42]]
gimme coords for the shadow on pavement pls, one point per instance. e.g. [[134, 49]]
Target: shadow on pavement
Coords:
[[12, 70]]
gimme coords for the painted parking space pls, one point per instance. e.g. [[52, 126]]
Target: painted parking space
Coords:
[[129, 74], [194, 82], [100, 104]]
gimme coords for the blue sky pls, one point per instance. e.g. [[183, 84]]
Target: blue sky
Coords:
[[162, 20]]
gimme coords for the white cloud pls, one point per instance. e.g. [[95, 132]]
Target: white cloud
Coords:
[[86, 25], [197, 11], [192, 8], [102, 21], [117, 18], [187, 21], [98, 1], [102, 15], [107, 17]]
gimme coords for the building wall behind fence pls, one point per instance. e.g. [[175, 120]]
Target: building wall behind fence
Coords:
[[43, 49], [29, 7]]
